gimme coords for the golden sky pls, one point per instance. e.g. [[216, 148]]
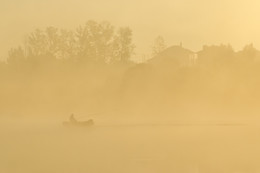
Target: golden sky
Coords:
[[192, 22]]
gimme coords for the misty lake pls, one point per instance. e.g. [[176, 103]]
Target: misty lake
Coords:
[[29, 147]]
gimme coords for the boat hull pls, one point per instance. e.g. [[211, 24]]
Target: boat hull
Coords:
[[79, 123]]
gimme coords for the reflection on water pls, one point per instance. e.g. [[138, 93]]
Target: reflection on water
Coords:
[[50, 148]]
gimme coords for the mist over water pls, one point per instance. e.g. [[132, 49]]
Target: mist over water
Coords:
[[177, 112], [49, 147], [129, 86]]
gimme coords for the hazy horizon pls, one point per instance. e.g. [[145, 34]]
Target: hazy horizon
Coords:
[[74, 101], [194, 23]]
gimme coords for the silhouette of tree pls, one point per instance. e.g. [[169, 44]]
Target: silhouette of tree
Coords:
[[94, 41], [123, 47], [36, 43], [67, 44], [159, 45], [248, 54], [16, 56], [52, 42]]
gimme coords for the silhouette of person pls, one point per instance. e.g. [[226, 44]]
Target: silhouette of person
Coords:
[[72, 119]]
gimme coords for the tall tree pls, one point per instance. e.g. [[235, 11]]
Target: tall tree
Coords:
[[123, 47], [159, 45], [16, 56], [94, 41]]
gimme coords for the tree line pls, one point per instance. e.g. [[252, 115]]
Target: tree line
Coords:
[[94, 42], [90, 68]]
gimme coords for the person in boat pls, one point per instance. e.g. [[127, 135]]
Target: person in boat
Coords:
[[73, 119]]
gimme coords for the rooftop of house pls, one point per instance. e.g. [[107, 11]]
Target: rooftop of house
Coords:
[[171, 53]]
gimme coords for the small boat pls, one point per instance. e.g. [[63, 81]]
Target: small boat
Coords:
[[87, 123]]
